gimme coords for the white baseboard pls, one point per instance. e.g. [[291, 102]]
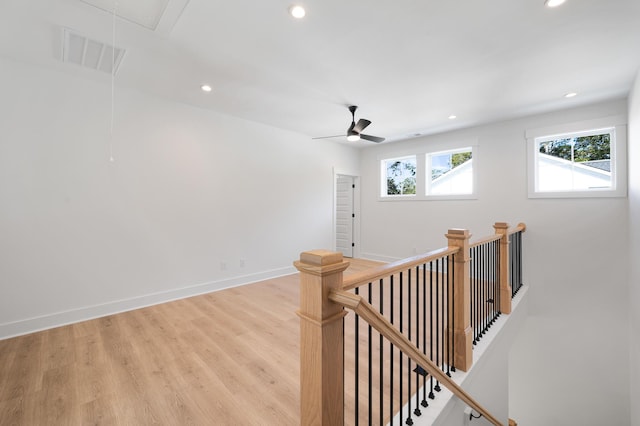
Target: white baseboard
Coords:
[[44, 322]]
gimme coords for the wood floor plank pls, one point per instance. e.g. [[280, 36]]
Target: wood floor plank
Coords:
[[98, 412], [22, 368], [57, 399]]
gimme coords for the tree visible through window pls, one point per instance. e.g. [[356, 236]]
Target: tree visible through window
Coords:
[[579, 161], [400, 176], [580, 149]]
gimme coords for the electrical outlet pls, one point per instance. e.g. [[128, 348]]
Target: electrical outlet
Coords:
[[223, 266], [242, 262], [467, 415]]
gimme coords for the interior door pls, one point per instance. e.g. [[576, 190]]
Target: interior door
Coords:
[[344, 215]]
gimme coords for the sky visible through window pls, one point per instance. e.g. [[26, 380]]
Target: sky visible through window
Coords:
[[446, 161]]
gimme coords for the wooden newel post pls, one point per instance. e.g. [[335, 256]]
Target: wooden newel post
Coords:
[[502, 229], [462, 333], [321, 338]]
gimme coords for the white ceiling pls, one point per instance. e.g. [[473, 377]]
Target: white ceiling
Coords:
[[409, 65]]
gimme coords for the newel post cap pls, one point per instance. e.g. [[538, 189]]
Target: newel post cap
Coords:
[[501, 225], [321, 262], [458, 234]]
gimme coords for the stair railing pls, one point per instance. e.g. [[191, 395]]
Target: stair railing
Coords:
[[444, 277]]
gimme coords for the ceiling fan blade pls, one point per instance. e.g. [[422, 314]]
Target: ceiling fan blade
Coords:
[[375, 139], [328, 137], [362, 124]]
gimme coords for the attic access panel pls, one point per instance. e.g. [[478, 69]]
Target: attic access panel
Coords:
[[146, 13]]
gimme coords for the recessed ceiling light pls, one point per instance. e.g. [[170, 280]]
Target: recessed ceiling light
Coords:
[[553, 3], [206, 88], [297, 11], [570, 95], [453, 117]]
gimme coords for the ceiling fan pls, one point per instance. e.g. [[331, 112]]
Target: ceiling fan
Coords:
[[354, 132]]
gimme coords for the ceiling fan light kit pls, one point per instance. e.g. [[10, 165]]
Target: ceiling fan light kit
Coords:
[[553, 3], [354, 132]]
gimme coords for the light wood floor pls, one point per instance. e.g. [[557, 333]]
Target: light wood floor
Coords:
[[224, 358]]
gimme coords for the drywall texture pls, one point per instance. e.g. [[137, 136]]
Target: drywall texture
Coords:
[[193, 201], [634, 252], [575, 262]]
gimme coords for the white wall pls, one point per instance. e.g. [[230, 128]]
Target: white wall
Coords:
[[634, 252], [80, 236], [574, 341]]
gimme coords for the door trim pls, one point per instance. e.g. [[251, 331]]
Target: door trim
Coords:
[[356, 210]]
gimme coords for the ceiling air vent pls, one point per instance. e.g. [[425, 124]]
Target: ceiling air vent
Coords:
[[80, 50]]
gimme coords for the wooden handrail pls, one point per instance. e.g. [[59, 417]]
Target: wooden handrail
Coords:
[[367, 312], [520, 227], [487, 239], [382, 271]]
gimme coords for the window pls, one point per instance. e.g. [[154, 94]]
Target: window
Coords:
[[575, 162], [450, 172], [399, 176], [578, 163]]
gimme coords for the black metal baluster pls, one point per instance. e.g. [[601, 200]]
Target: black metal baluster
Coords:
[[424, 331], [437, 386], [513, 257], [417, 411], [479, 292], [400, 354], [492, 282], [488, 287], [431, 333], [494, 297], [483, 298], [357, 363], [472, 283], [519, 259], [488, 301], [452, 259], [391, 365], [497, 295], [512, 281], [494, 279], [447, 305], [474, 295], [443, 316], [516, 259], [380, 350], [409, 420], [498, 274], [370, 366], [484, 288], [485, 306]]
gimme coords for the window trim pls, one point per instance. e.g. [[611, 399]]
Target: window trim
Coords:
[[618, 156]]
